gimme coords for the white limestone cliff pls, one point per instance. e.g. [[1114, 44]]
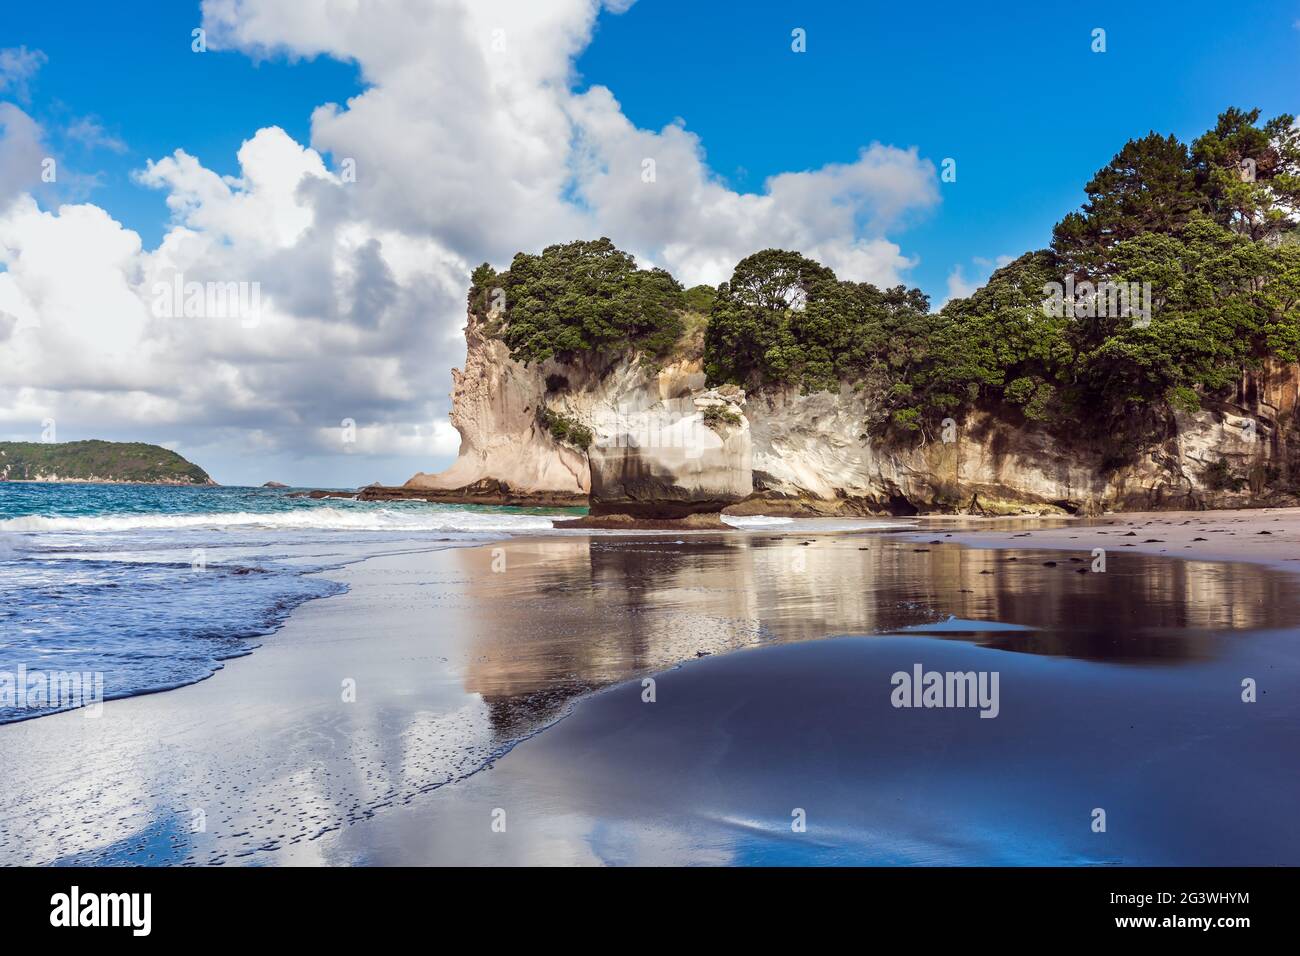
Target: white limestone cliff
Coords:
[[778, 451]]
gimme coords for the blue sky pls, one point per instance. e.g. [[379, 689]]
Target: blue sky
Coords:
[[132, 71], [1014, 95], [1011, 91]]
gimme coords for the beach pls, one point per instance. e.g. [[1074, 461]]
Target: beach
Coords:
[[1259, 535], [484, 703]]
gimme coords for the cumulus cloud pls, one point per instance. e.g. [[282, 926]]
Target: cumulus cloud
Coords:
[[467, 143], [653, 193]]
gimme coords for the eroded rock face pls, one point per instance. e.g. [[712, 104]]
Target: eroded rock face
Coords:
[[654, 455], [810, 454], [672, 458], [495, 402]]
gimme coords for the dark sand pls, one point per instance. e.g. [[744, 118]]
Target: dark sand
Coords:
[[1119, 690]]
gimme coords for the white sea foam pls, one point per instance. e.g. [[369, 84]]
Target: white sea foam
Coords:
[[306, 519], [812, 525], [366, 518], [754, 521]]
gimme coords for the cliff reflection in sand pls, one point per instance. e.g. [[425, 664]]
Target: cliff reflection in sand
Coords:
[[570, 615]]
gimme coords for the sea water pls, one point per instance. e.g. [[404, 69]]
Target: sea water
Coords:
[[150, 587]]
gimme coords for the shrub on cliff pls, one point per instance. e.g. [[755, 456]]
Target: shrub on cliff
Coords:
[[579, 297], [565, 429], [718, 417]]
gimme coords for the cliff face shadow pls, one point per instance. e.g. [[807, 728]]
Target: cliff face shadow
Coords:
[[559, 618]]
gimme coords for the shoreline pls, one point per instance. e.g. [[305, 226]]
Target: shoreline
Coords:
[[442, 647], [1266, 536], [602, 738]]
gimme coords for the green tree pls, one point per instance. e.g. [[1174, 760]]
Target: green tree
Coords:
[[700, 299], [785, 318], [581, 297], [1150, 186], [1250, 173], [749, 336]]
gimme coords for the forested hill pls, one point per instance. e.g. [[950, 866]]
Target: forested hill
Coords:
[[107, 461]]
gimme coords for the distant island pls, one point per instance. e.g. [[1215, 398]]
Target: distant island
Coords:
[[97, 461]]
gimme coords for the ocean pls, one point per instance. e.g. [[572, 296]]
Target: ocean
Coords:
[[143, 588], [152, 587]]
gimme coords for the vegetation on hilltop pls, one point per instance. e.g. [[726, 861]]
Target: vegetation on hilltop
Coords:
[[97, 461], [1209, 230], [579, 297]]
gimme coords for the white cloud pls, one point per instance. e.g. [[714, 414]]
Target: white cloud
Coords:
[[92, 135], [689, 222], [959, 286], [17, 66], [469, 144], [21, 153]]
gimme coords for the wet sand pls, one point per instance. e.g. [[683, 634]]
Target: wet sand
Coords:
[[1118, 690], [1264, 535]]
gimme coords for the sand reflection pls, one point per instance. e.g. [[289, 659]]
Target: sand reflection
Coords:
[[565, 616]]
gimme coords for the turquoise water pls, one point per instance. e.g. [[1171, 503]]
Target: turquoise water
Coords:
[[70, 501], [141, 588]]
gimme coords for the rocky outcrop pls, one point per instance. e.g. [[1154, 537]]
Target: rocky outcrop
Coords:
[[485, 491], [811, 456], [676, 457], [504, 446], [663, 446]]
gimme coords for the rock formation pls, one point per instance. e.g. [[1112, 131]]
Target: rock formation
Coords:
[[659, 444], [505, 451]]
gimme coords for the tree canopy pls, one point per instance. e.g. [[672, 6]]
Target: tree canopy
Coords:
[[1244, 176], [579, 297], [786, 319]]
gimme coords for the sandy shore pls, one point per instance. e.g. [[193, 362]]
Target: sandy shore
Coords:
[[391, 723], [1265, 536]]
